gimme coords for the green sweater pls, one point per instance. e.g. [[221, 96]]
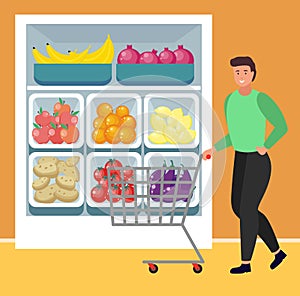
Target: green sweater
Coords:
[[246, 120]]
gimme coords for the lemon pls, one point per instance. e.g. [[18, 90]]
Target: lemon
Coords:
[[180, 127], [171, 126], [157, 138], [163, 111], [177, 113], [175, 117], [186, 136], [158, 123], [172, 121], [187, 121], [169, 140], [171, 135]]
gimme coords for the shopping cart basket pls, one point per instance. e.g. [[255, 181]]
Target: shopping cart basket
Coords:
[[135, 207]]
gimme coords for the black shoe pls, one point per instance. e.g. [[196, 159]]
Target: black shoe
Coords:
[[241, 269], [278, 259]]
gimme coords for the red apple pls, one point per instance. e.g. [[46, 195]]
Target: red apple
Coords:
[[54, 133], [41, 135], [44, 118]]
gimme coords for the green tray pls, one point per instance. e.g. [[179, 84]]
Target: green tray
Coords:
[[155, 74], [72, 74]]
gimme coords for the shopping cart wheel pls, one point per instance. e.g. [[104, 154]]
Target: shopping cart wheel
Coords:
[[153, 268], [197, 268]]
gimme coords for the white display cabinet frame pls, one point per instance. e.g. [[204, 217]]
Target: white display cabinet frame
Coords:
[[94, 232]]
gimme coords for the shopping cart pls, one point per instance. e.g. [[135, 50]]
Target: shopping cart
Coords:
[[140, 210]]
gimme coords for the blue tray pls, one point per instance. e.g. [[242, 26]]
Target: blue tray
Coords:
[[155, 74], [72, 74]]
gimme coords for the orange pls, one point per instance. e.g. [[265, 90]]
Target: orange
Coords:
[[127, 135], [61, 107], [128, 121], [70, 135], [99, 136], [99, 122], [112, 119], [122, 111], [112, 134], [104, 109]]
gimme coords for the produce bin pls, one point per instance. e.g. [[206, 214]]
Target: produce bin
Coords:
[[97, 160], [72, 74], [58, 206], [155, 74]]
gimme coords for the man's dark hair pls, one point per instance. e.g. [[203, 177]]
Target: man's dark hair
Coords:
[[244, 61]]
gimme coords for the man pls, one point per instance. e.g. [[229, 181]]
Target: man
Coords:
[[246, 112]]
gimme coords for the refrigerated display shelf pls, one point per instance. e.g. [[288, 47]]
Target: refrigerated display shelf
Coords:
[[114, 87], [86, 150], [117, 83]]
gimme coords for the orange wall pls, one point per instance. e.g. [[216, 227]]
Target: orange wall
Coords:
[[267, 32]]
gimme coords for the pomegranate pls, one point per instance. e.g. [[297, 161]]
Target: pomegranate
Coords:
[[149, 57], [167, 56], [128, 56], [183, 56]]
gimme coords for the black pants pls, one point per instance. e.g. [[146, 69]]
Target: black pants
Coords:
[[251, 175]]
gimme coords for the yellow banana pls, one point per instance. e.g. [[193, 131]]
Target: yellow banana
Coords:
[[110, 56], [73, 53], [40, 58], [98, 51], [60, 58], [103, 55]]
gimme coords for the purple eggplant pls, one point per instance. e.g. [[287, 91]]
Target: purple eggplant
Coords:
[[170, 175], [155, 179], [156, 175], [183, 189], [167, 176], [155, 189]]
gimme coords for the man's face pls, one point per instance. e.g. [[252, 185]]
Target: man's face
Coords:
[[242, 75]]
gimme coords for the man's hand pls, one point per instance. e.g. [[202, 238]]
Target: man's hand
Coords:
[[207, 154], [262, 150]]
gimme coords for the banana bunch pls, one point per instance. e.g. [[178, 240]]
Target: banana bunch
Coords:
[[103, 55]]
